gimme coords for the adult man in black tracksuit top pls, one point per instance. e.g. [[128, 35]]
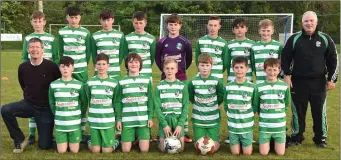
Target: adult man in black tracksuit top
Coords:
[[308, 56]]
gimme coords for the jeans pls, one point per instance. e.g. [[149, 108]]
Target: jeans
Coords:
[[24, 109]]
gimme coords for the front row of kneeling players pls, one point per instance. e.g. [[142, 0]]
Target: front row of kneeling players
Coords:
[[127, 104]]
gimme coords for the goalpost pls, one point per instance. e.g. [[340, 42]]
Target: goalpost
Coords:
[[194, 25], [92, 28]]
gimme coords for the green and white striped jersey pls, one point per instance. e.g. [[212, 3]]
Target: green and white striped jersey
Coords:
[[260, 52], [239, 104], [75, 43], [112, 44], [272, 103], [171, 98], [206, 94], [102, 94], [68, 103], [239, 48], [135, 101], [217, 48], [49, 44], [145, 46]]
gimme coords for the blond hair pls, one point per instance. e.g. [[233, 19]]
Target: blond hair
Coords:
[[205, 58], [265, 23]]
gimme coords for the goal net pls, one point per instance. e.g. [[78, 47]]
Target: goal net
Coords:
[[54, 28], [194, 25]]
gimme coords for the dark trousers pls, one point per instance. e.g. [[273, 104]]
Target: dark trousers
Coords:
[[23, 109], [311, 90]]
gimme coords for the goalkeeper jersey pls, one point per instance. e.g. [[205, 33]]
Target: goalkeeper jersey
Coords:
[[171, 98], [216, 48], [259, 53], [239, 104], [68, 103], [135, 101], [101, 93], [237, 48], [272, 104], [145, 46], [112, 44], [49, 44], [206, 94]]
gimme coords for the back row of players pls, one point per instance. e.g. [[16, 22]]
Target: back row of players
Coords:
[[76, 42]]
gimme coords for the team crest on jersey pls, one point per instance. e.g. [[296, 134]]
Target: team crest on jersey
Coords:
[[280, 95], [217, 49], [115, 41], [177, 93], [73, 92], [318, 44], [141, 87], [79, 39], [46, 44], [107, 90], [271, 53], [247, 50], [211, 89], [145, 45], [245, 96], [166, 45], [178, 46]]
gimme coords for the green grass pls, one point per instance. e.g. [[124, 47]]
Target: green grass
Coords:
[[11, 92]]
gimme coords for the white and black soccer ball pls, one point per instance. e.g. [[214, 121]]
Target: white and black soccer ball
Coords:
[[172, 145]]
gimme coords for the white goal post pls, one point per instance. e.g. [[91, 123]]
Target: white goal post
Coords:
[[194, 25], [117, 27]]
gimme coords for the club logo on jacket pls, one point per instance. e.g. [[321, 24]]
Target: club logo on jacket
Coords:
[[79, 39], [318, 44], [73, 92], [107, 90], [247, 51], [115, 41], [177, 93], [280, 95], [46, 44], [245, 96], [145, 45], [271, 53], [211, 89], [217, 49], [178, 46]]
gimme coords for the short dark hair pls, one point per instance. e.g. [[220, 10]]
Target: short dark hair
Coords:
[[33, 40], [102, 56], [73, 11], [106, 14], [133, 56], [272, 62], [240, 60], [239, 22], [173, 18], [66, 61], [139, 15], [215, 18]]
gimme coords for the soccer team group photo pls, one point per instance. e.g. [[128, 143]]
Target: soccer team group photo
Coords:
[[238, 85]]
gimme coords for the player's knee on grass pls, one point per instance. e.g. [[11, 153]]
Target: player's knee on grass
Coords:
[[62, 147], [144, 145], [182, 140], [107, 150], [264, 149], [235, 149], [162, 144], [95, 149], [126, 146], [74, 147], [247, 150], [280, 148], [217, 145]]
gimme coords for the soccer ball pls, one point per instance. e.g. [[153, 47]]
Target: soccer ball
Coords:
[[172, 145], [205, 145]]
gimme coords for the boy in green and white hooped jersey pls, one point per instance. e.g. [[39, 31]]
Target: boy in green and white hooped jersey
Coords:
[[102, 91], [38, 22], [110, 42], [264, 49], [213, 45], [134, 105], [142, 43], [239, 104], [272, 102], [171, 104], [68, 104], [74, 41], [206, 94], [240, 46]]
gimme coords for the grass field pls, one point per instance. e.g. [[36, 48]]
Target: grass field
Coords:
[[10, 92]]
